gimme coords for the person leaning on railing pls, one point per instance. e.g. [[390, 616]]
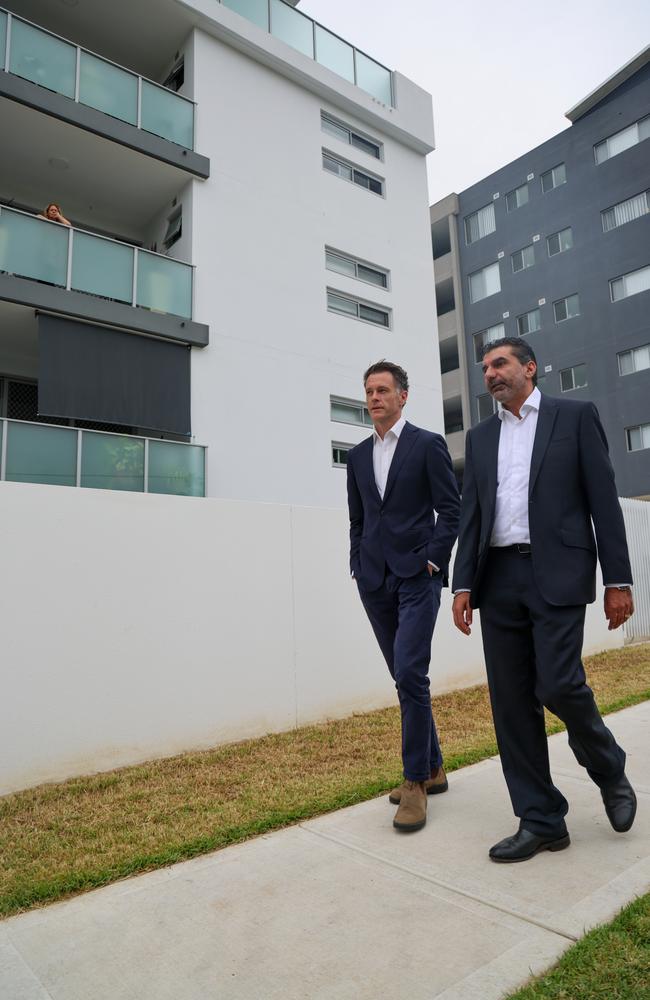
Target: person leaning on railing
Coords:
[[53, 214]]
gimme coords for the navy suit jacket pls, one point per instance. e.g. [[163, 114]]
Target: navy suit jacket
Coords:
[[571, 486], [401, 531]]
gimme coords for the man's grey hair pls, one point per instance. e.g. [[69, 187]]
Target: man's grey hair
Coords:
[[398, 373], [520, 348]]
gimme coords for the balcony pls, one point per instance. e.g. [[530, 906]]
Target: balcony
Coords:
[[65, 456]]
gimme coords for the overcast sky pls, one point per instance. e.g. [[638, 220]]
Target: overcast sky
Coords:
[[502, 74]]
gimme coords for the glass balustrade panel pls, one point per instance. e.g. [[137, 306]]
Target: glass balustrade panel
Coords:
[[373, 78], [256, 11], [3, 38], [33, 248], [102, 267], [108, 88], [292, 27], [167, 115], [40, 454], [164, 285], [42, 58], [112, 462], [334, 53], [176, 468]]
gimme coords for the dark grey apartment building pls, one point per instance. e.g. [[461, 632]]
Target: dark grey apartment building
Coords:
[[555, 247]]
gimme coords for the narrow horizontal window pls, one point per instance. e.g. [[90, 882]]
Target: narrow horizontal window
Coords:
[[553, 178], [485, 337], [630, 284], [529, 322], [517, 198], [353, 138], [354, 268], [638, 437], [566, 308], [366, 311], [626, 211], [349, 411], [351, 173], [620, 141], [521, 259], [573, 378], [559, 242], [485, 282], [485, 406], [340, 454], [480, 224], [636, 360]]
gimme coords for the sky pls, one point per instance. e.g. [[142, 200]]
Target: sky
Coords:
[[501, 74]]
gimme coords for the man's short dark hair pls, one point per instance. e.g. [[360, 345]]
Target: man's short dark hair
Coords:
[[398, 373], [520, 348]]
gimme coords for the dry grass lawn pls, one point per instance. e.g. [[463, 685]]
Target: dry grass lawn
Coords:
[[63, 838]]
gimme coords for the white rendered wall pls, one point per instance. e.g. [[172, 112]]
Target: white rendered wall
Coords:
[[136, 627]]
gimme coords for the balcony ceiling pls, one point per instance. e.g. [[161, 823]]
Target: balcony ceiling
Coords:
[[99, 184]]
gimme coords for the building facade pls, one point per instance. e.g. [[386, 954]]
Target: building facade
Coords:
[[555, 247], [248, 205]]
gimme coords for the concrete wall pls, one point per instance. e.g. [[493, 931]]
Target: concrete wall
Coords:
[[138, 626]]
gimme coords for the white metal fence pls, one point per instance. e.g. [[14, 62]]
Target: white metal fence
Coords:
[[637, 524]]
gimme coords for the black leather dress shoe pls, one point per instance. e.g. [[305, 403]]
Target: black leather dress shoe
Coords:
[[525, 845], [620, 804]]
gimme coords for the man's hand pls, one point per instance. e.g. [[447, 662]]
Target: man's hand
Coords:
[[619, 606], [462, 613]]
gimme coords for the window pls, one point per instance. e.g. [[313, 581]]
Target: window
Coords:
[[176, 77], [636, 360], [487, 337], [559, 242], [349, 411], [485, 282], [529, 322], [553, 178], [366, 311], [340, 454], [350, 173], [345, 134], [573, 378], [355, 268], [517, 198], [566, 308], [521, 259], [620, 141], [638, 437], [480, 224], [630, 284], [485, 405], [626, 211], [174, 229]]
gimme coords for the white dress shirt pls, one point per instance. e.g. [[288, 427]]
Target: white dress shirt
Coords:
[[383, 450], [513, 472]]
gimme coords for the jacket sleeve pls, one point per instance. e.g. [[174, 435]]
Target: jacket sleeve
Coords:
[[470, 526], [355, 508], [446, 502], [600, 486]]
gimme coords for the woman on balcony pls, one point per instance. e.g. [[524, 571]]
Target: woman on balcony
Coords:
[[53, 214]]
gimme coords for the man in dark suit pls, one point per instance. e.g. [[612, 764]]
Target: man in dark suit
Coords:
[[537, 474], [399, 554]]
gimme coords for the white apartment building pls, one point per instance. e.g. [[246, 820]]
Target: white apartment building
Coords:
[[249, 230]]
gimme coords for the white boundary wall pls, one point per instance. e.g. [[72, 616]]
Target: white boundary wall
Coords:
[[135, 627]]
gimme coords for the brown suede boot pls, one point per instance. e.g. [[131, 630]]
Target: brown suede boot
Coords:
[[412, 812], [434, 785]]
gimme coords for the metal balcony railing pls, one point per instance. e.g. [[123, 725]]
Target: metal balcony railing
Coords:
[[83, 262], [31, 52], [69, 456]]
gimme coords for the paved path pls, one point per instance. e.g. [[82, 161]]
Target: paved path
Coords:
[[344, 908]]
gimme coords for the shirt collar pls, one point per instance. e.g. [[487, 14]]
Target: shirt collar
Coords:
[[532, 403], [396, 429]]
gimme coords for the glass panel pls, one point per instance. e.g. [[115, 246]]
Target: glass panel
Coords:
[[566, 379], [617, 289], [644, 129], [347, 413], [623, 140], [553, 243], [340, 264], [559, 175], [566, 239], [292, 27], [600, 152], [573, 306], [364, 180], [634, 440], [369, 274], [642, 358], [164, 285], [547, 181], [334, 53], [373, 315], [580, 376], [371, 148], [176, 468], [626, 363], [637, 281], [340, 304], [342, 169], [167, 115], [108, 88], [336, 130], [373, 78], [645, 435], [43, 59], [3, 41], [112, 462], [560, 310], [102, 267], [41, 455], [256, 11], [33, 248]]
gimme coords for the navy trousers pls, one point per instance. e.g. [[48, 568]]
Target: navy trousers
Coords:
[[533, 659], [403, 613]]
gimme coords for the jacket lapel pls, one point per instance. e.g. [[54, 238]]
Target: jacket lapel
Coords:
[[368, 469], [405, 442], [545, 423]]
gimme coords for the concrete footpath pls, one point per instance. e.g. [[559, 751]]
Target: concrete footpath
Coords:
[[344, 908]]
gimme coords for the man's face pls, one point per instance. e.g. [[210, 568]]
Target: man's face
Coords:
[[506, 378], [384, 399]]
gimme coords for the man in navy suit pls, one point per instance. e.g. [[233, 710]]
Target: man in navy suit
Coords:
[[537, 475], [399, 554]]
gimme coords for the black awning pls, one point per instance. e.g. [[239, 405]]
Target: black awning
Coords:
[[96, 373]]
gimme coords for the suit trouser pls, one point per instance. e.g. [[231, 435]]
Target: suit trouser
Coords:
[[403, 613], [533, 658]]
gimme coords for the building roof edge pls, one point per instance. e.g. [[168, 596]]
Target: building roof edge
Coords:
[[620, 76]]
